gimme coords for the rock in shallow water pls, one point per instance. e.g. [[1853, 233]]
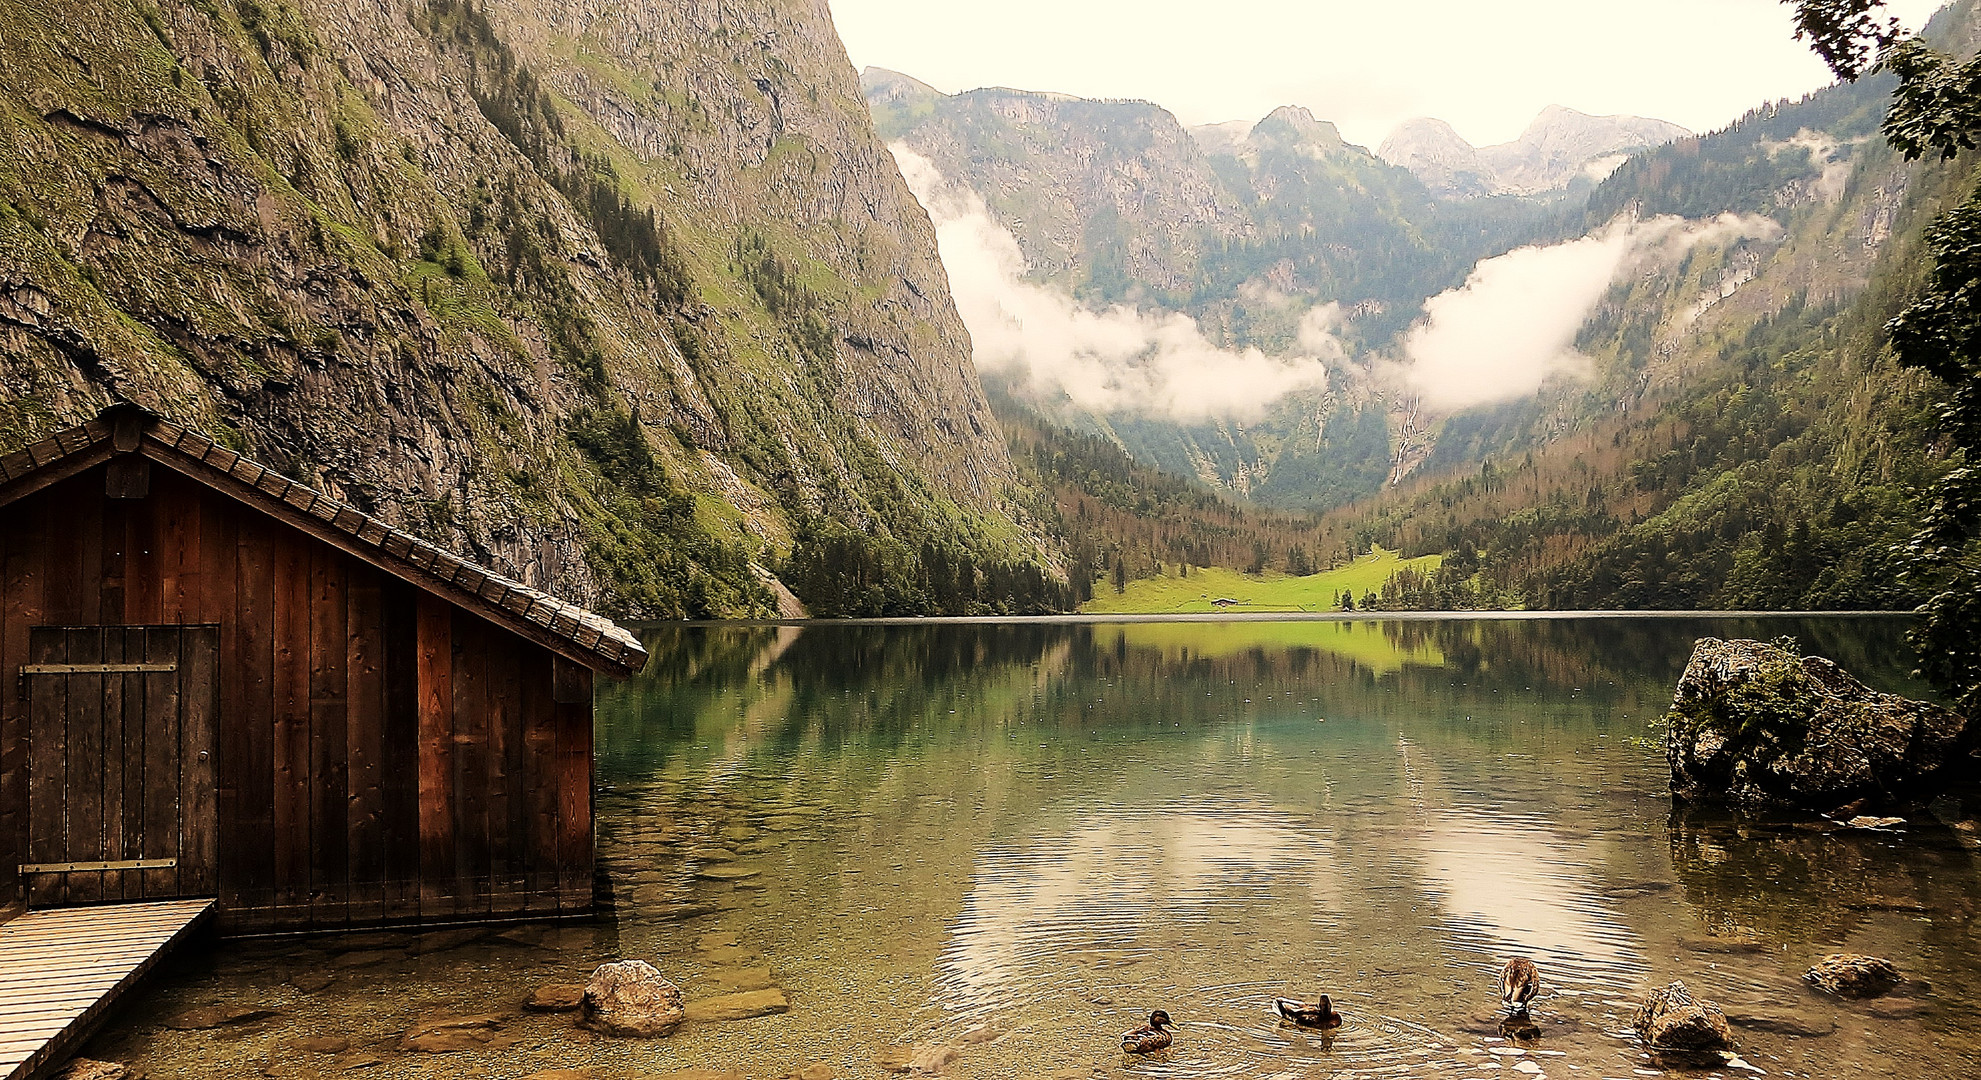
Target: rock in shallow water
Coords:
[[743, 978], [1754, 724], [452, 1034], [1854, 975], [741, 1006], [555, 997], [1672, 1019], [309, 982], [930, 1060], [213, 1016], [631, 999]]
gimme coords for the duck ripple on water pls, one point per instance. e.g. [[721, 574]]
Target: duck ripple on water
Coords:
[[1150, 1037]]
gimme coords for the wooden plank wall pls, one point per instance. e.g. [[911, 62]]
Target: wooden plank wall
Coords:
[[334, 677]]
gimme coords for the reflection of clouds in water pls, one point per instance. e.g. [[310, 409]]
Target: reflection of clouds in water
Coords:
[[1513, 883], [1516, 884], [1120, 880]]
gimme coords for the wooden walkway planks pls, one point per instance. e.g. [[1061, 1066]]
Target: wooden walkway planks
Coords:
[[60, 969]]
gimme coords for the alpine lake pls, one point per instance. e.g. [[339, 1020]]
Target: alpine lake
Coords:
[[986, 850]]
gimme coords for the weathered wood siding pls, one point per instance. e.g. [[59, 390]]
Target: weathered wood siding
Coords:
[[383, 755]]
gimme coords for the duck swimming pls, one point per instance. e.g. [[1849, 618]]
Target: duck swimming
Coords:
[[1147, 1040], [1320, 1015], [1520, 980]]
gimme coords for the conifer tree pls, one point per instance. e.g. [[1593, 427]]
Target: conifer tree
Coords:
[[1935, 109]]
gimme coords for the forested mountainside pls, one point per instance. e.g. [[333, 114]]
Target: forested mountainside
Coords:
[[619, 300], [1276, 236], [1246, 229], [1738, 436], [1747, 441], [1123, 520]]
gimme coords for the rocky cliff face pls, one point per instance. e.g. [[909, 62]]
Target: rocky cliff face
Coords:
[[1078, 182], [1560, 147], [611, 296]]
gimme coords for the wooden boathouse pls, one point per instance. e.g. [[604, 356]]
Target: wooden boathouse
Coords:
[[220, 683]]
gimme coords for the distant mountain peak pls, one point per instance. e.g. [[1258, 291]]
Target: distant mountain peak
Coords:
[[1558, 146], [1295, 125], [889, 83]]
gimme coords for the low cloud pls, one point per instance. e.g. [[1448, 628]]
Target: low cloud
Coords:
[[1113, 361], [1512, 325]]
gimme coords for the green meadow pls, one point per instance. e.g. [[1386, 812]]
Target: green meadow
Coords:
[[1175, 593]]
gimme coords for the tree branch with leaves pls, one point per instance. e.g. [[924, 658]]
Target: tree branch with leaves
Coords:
[[1935, 109]]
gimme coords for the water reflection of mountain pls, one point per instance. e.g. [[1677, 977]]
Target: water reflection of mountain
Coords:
[[1015, 821], [875, 685]]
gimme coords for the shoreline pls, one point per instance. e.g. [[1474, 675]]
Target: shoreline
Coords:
[[1275, 616]]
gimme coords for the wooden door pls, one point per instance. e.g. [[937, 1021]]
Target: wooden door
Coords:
[[121, 773]]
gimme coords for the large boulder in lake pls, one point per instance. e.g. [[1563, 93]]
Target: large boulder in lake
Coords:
[[1755, 725], [630, 998]]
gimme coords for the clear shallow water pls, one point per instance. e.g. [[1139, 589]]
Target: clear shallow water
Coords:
[[1014, 841]]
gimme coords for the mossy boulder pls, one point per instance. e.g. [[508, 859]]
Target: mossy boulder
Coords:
[[1854, 975], [1758, 725]]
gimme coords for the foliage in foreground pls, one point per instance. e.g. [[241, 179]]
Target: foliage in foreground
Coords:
[[1936, 109]]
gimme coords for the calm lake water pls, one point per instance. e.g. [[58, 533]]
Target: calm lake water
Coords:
[[1002, 845]]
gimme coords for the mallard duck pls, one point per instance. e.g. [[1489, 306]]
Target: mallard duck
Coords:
[[1147, 1040], [1320, 1015], [1520, 980]]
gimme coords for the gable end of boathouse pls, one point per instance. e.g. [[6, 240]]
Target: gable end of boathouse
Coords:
[[221, 683]]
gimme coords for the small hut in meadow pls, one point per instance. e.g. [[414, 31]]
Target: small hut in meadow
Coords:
[[221, 683]]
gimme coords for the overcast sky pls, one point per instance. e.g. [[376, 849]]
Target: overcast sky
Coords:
[[1485, 66]]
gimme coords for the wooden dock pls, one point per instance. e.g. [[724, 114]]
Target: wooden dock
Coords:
[[61, 968]]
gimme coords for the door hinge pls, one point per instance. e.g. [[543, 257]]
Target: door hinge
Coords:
[[111, 864], [93, 669]]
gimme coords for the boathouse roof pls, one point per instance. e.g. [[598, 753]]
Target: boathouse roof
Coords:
[[565, 628]]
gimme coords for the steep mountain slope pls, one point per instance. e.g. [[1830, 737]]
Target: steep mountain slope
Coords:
[[618, 299], [1276, 237], [1073, 179], [1745, 440], [1721, 427], [1561, 147]]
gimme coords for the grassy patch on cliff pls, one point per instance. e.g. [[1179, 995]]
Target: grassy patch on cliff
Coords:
[[1174, 593]]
